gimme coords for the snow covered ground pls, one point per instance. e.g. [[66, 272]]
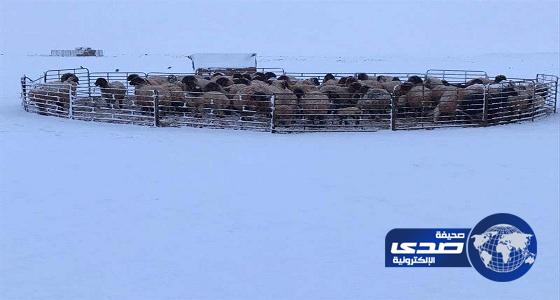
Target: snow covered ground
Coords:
[[102, 211], [106, 211]]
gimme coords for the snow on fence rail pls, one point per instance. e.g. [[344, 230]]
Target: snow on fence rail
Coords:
[[427, 105]]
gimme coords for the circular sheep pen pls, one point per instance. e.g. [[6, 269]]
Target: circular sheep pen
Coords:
[[292, 102]]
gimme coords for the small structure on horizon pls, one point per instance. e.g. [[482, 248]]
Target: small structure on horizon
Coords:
[[79, 51]]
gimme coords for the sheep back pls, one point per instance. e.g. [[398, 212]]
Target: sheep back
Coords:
[[418, 96], [315, 103], [374, 100]]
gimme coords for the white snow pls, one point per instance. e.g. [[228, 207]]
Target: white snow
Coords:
[[106, 211]]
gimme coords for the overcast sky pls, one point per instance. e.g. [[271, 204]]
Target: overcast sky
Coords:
[[366, 28]]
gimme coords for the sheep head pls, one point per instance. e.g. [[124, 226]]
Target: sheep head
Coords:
[[259, 76], [241, 81], [212, 87], [500, 78], [315, 81], [138, 81], [172, 78], [299, 92], [328, 77], [69, 77], [131, 76], [354, 87], [102, 82], [415, 79], [350, 80], [284, 78], [223, 81]]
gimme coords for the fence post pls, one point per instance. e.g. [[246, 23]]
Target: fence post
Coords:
[[24, 93], [156, 108], [70, 100], [485, 106], [534, 104], [393, 111], [555, 93], [272, 110], [89, 83]]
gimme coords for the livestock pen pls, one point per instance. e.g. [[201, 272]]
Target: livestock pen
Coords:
[[304, 102]]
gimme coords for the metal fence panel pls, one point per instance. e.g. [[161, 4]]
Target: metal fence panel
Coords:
[[454, 76], [216, 110]]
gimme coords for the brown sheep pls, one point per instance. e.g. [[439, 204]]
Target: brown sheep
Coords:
[[372, 84], [144, 97], [280, 84], [330, 82], [254, 97], [386, 78], [310, 81], [155, 80], [217, 102], [419, 96], [112, 93], [286, 105], [305, 87], [223, 81], [520, 103], [447, 104], [376, 102], [349, 115], [54, 95], [390, 86], [471, 100], [481, 80], [315, 105], [168, 94], [438, 90], [234, 89], [284, 114], [432, 82], [171, 95]]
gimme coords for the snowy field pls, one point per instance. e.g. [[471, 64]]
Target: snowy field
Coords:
[[105, 211]]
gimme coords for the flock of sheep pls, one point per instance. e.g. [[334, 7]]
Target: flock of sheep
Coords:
[[343, 99]]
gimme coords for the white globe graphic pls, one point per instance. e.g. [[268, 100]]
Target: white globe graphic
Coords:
[[503, 248]]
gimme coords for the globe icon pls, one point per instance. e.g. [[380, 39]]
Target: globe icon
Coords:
[[503, 248]]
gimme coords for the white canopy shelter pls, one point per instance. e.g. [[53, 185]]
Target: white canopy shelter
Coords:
[[223, 60]]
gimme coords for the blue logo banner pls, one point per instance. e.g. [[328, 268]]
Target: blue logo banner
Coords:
[[427, 247]]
